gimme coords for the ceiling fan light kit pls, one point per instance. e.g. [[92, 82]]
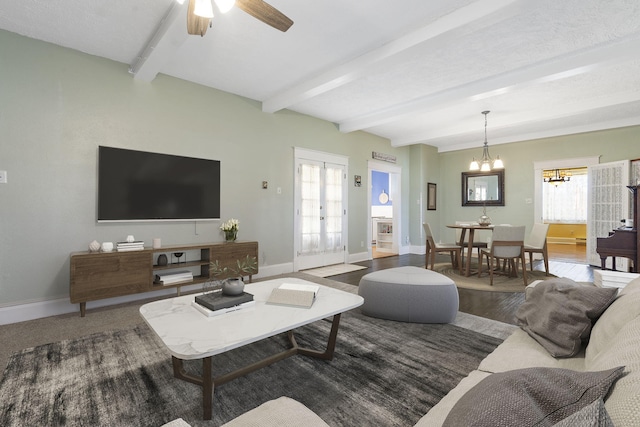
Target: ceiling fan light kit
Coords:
[[203, 9], [225, 6], [196, 25], [487, 164], [200, 14]]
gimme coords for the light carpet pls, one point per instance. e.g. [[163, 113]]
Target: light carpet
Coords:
[[384, 373], [333, 270], [501, 282]]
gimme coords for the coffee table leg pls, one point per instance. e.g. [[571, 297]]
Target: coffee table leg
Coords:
[[331, 344], [206, 382], [207, 389]]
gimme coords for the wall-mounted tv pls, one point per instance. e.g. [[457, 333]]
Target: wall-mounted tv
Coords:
[[142, 186]]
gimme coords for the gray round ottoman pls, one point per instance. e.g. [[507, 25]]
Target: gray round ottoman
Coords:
[[409, 294]]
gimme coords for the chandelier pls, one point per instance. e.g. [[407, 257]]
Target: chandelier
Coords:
[[487, 163], [556, 177]]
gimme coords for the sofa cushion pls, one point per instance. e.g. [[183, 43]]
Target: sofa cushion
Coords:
[[178, 422], [280, 412], [520, 351], [624, 309], [632, 286], [594, 415], [623, 403], [532, 396], [438, 413], [558, 313]]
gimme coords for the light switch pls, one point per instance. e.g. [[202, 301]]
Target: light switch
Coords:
[[3, 177]]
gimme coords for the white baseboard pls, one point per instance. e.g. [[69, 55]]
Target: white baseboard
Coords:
[[563, 240], [36, 310], [358, 257]]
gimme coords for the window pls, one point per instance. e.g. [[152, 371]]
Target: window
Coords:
[[565, 202]]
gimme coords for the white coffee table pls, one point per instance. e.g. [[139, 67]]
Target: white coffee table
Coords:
[[189, 334]]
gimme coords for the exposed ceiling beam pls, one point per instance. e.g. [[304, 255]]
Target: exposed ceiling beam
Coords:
[[169, 36], [557, 68], [546, 133], [478, 11], [571, 110]]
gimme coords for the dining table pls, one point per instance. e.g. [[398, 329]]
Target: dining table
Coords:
[[471, 227]]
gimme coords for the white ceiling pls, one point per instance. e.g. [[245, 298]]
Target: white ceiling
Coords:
[[412, 71]]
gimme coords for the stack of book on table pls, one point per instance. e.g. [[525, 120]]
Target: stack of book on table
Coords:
[[294, 294], [174, 277], [216, 303], [130, 246]]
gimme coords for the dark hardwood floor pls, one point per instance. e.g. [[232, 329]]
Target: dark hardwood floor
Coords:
[[492, 305]]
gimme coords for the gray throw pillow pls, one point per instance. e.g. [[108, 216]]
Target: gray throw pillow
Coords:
[[559, 314], [530, 397], [594, 415]]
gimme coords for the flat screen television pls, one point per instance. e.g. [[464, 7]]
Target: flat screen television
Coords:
[[143, 186]]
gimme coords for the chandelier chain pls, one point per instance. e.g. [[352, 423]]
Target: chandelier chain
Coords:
[[486, 164]]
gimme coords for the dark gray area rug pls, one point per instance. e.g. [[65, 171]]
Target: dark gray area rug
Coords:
[[384, 373]]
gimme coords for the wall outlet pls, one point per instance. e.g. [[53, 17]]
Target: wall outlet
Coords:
[[3, 177]]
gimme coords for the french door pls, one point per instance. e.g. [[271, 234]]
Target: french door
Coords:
[[608, 203], [320, 210]]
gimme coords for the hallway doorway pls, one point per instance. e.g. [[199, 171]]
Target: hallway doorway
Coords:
[[384, 209]]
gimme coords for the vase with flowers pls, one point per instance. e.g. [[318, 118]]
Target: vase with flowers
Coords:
[[230, 229]]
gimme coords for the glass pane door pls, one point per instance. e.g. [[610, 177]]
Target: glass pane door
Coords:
[[321, 214], [608, 202]]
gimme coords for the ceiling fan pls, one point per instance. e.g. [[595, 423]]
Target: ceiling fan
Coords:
[[200, 14]]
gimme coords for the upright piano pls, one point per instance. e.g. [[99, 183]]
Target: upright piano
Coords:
[[624, 241]]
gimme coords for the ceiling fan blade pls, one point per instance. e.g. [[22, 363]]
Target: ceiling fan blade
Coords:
[[266, 13], [196, 25]]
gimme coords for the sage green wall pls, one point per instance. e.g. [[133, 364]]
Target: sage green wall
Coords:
[[610, 145], [57, 106], [425, 168]]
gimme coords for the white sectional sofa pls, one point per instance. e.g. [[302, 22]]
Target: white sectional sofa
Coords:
[[614, 341]]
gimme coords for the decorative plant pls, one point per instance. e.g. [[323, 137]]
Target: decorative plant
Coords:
[[244, 267]]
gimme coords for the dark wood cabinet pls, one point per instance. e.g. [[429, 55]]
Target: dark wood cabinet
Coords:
[[101, 275]]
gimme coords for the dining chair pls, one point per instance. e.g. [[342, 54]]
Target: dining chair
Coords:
[[476, 244], [507, 244], [536, 243], [454, 250]]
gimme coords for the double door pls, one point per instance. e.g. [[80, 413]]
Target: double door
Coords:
[[320, 214]]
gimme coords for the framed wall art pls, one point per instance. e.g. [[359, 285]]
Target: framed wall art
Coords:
[[431, 196]]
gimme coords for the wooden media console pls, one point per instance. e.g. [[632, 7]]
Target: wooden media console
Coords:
[[100, 275]]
